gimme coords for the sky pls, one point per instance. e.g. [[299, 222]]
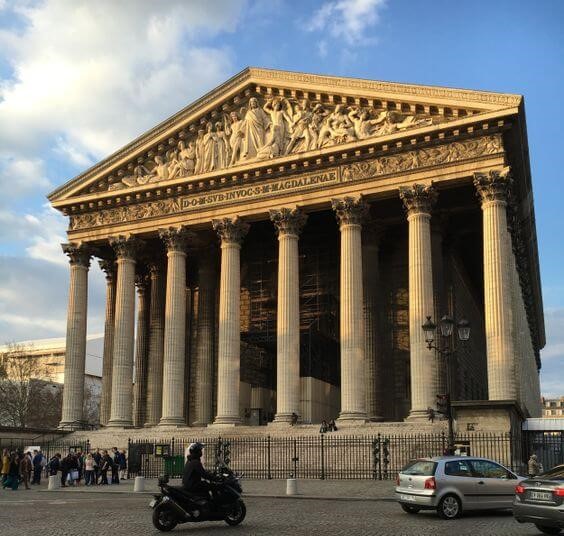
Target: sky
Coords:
[[79, 79]]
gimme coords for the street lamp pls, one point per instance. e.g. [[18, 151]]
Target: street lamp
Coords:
[[445, 329]]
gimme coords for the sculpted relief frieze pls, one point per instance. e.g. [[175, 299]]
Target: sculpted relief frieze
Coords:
[[357, 171], [262, 130]]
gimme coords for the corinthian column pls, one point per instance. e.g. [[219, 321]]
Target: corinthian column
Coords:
[[174, 357], [109, 267], [122, 376], [288, 223], [141, 351], [418, 201], [156, 342], [75, 352], [350, 212], [205, 333], [492, 189], [231, 231], [371, 279]]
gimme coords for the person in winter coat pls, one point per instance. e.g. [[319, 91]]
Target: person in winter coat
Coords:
[[89, 464], [54, 465], [13, 479], [533, 466], [195, 478], [98, 464], [106, 465], [5, 467], [66, 467], [122, 465], [115, 465], [25, 469], [37, 466]]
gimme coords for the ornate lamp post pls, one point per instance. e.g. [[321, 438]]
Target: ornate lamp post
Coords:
[[443, 347]]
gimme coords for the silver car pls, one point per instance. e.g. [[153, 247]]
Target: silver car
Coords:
[[540, 500], [451, 484]]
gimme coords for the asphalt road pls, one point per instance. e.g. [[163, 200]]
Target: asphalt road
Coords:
[[105, 514]]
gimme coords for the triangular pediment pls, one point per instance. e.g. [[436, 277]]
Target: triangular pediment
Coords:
[[263, 115]]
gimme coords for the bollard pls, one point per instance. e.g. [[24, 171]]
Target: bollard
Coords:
[[291, 486], [54, 483], [139, 484]]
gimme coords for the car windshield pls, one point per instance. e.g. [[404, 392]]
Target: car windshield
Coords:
[[420, 468], [556, 473]]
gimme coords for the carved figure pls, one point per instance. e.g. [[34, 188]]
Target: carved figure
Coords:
[[234, 129], [160, 171], [173, 164], [199, 144], [209, 149], [186, 158], [279, 119], [363, 125], [299, 123], [223, 147], [256, 123], [337, 128]]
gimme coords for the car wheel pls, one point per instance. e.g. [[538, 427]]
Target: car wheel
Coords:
[[548, 530], [410, 509], [449, 507]]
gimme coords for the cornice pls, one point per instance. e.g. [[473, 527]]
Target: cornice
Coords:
[[250, 76]]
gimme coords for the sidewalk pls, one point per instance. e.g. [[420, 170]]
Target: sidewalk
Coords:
[[350, 490]]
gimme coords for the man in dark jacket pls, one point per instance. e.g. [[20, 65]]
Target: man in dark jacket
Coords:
[[54, 464], [37, 466], [195, 476], [66, 466]]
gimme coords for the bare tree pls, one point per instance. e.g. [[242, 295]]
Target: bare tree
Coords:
[[21, 393]]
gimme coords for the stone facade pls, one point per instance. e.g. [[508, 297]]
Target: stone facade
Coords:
[[288, 235]]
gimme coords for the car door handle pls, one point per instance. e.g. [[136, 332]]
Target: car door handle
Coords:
[[481, 482]]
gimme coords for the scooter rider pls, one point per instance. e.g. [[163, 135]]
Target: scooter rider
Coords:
[[195, 478]]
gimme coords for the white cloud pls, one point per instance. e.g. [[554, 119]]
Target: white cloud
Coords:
[[20, 177], [347, 20], [46, 234], [91, 75]]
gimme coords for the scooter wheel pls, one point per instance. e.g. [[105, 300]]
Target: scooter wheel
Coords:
[[237, 514], [164, 518]]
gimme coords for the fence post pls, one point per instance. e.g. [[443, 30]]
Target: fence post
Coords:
[[322, 438], [268, 457], [172, 447], [295, 459], [128, 454], [87, 446]]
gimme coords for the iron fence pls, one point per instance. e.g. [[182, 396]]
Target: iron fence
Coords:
[[378, 457], [547, 445]]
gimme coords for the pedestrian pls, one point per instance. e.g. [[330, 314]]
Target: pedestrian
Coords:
[[115, 465], [97, 461], [66, 464], [89, 473], [26, 466], [294, 419], [430, 414], [332, 426], [122, 465], [80, 462], [13, 479], [37, 463], [54, 465], [5, 467], [533, 466], [324, 427], [105, 467]]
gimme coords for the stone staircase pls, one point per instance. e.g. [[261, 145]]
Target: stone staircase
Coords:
[[118, 437]]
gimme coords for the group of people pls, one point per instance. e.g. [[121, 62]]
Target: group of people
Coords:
[[94, 468], [21, 467], [327, 426]]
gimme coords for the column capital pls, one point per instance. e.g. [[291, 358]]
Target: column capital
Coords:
[[125, 246], [79, 254], [156, 268], [288, 221], [176, 238], [142, 281], [350, 210], [418, 198], [108, 266], [494, 185], [231, 230]]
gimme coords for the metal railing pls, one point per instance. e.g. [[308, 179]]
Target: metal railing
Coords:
[[324, 456]]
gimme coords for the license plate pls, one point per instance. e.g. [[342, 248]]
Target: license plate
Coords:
[[152, 503], [540, 496], [410, 498]]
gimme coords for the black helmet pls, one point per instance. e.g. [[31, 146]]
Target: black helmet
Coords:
[[195, 449]]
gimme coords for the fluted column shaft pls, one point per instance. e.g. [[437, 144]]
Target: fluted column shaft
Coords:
[[75, 353], [141, 352], [156, 343], [174, 359], [108, 266], [492, 188], [231, 233], [374, 363], [418, 201], [207, 275], [288, 223], [122, 376], [350, 212]]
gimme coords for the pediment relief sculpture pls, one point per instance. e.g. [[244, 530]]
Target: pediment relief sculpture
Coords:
[[262, 130]]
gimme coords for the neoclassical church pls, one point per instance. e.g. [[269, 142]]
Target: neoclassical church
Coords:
[[273, 250]]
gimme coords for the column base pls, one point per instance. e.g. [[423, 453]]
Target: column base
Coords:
[[172, 421], [284, 418], [150, 424], [200, 424], [70, 425], [120, 424], [375, 418], [417, 415], [226, 420], [351, 417]]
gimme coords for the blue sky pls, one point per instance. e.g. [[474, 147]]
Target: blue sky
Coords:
[[79, 79]]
